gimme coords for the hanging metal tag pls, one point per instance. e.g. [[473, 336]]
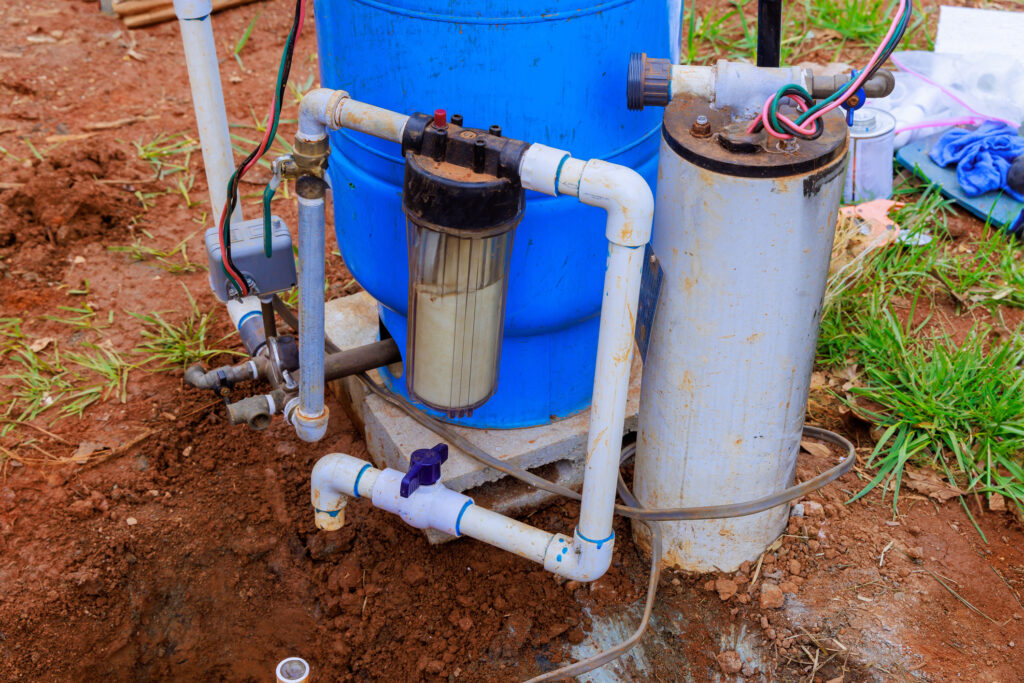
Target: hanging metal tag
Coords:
[[650, 290]]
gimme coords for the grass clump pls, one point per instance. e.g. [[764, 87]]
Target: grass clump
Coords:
[[174, 260], [169, 344], [942, 404], [941, 398]]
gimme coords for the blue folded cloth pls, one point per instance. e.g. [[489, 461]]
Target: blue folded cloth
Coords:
[[983, 157]]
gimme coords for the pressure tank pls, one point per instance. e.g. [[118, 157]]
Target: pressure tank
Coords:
[[743, 229], [542, 70]]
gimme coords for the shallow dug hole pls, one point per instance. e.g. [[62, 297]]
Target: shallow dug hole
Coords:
[[81, 192]]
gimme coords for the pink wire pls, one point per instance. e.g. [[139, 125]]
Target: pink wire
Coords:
[[803, 129], [948, 93], [969, 120]]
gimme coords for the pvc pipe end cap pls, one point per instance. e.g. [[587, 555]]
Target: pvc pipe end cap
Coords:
[[310, 429], [292, 670], [329, 522]]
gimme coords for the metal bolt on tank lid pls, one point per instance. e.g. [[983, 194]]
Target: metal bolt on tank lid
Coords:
[[701, 128]]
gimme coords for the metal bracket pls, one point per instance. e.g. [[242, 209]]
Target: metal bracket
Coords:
[[650, 291]]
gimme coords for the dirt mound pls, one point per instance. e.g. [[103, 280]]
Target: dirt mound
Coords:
[[64, 199]]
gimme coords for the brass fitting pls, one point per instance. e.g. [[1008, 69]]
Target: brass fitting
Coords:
[[310, 157]]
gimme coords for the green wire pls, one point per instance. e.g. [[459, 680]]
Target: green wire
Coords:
[[889, 47], [268, 195], [233, 181]]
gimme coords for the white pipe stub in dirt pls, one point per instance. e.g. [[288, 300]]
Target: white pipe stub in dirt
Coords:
[[292, 670]]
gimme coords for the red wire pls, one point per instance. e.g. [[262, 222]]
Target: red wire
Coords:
[[261, 150]]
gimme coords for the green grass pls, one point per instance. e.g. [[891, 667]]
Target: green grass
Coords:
[[173, 260], [849, 30], [66, 382], [955, 406], [236, 50], [168, 344]]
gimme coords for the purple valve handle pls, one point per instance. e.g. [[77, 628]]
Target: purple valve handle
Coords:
[[424, 468]]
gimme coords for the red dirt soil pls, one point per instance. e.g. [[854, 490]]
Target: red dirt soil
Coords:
[[184, 548]]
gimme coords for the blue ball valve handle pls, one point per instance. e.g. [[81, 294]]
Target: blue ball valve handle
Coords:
[[854, 103], [424, 468]]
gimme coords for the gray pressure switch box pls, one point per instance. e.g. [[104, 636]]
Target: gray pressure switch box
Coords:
[[263, 276]]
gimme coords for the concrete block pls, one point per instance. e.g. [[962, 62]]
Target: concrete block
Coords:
[[556, 451]]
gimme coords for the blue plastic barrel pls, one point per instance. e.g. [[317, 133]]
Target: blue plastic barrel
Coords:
[[545, 71]]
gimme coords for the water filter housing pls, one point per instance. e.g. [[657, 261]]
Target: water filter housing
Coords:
[[743, 228], [462, 199]]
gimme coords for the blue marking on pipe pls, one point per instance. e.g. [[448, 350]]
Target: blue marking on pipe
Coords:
[[247, 316], [597, 543], [469, 19], [558, 172], [329, 513], [458, 520], [355, 487]]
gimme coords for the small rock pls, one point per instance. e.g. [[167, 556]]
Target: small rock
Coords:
[[744, 598], [131, 521], [787, 587], [729, 662], [813, 508], [414, 575], [915, 553], [794, 567], [726, 588], [748, 670], [830, 554], [772, 596], [466, 623]]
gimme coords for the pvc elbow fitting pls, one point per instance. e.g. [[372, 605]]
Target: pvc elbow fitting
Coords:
[[578, 558], [335, 478], [316, 113], [309, 428], [625, 195]]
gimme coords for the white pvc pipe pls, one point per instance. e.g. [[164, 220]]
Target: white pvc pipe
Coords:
[[338, 476], [611, 385], [506, 533], [322, 108], [207, 99]]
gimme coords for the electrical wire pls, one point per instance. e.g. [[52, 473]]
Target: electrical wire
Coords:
[[808, 124], [230, 270]]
